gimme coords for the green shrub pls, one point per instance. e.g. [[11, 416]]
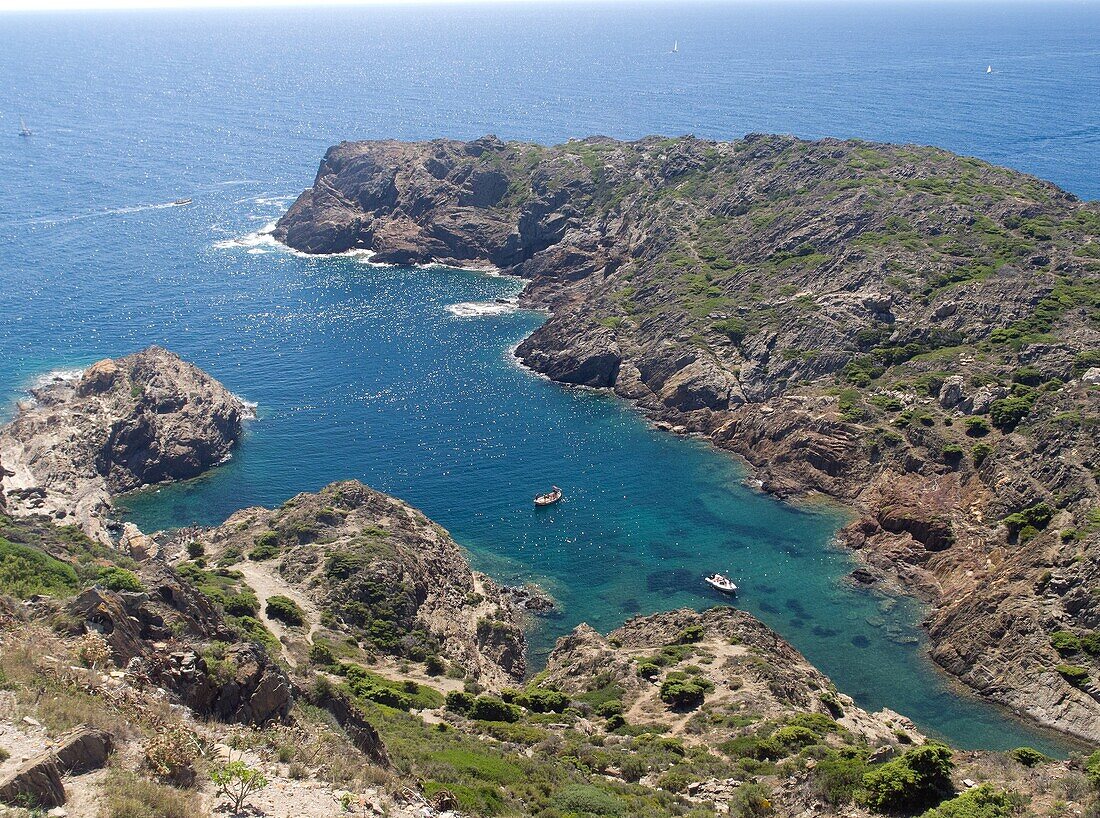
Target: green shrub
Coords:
[[1028, 756], [839, 777], [119, 579], [1028, 375], [981, 802], [692, 633], [685, 694], [1074, 674], [26, 571], [458, 701], [952, 453], [284, 609], [583, 799], [321, 654], [266, 547], [611, 707], [1065, 641], [434, 666], [915, 781], [980, 452], [648, 670], [195, 549], [1037, 517], [751, 800], [1092, 769], [1007, 413], [977, 427], [733, 328], [490, 708], [756, 747]]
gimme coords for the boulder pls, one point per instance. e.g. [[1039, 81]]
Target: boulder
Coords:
[[36, 782], [83, 750]]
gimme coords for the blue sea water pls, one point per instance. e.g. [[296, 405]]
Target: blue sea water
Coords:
[[362, 371]]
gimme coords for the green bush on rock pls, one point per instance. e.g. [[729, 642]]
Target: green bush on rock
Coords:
[[913, 782]]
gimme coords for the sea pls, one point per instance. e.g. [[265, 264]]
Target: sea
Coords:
[[404, 377]]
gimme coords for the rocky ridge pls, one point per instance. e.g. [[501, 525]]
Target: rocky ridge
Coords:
[[122, 424], [379, 571], [912, 332]]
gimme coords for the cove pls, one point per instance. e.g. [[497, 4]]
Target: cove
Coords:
[[362, 371]]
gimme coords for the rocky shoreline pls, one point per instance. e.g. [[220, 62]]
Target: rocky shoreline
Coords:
[[910, 332]]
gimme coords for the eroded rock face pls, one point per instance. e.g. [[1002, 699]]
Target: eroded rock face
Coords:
[[125, 423], [825, 310]]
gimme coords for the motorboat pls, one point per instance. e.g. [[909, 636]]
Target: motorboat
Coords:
[[548, 499], [721, 582]]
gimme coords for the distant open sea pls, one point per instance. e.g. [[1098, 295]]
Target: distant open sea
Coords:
[[365, 372]]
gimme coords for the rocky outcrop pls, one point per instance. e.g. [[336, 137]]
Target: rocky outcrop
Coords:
[[35, 783], [749, 667], [907, 330], [383, 573], [157, 633], [125, 423]]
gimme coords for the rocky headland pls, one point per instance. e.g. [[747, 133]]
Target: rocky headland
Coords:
[[120, 425], [912, 332]]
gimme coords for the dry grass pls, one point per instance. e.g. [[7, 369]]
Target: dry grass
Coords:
[[126, 795]]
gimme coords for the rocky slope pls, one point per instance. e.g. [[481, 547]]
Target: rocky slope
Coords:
[[378, 571], [123, 424], [910, 331]]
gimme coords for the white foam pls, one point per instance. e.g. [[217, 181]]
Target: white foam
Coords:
[[55, 375], [256, 241], [477, 309], [250, 407]]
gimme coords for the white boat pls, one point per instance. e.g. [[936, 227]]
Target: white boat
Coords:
[[721, 582], [675, 46], [181, 202], [989, 69], [23, 129], [548, 499]]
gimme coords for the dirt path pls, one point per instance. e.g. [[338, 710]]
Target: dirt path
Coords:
[[266, 583]]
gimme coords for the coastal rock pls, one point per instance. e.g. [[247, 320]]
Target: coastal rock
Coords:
[[125, 423], [384, 574], [753, 670]]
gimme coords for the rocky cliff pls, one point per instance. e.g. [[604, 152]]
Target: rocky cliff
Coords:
[[910, 331], [122, 424]]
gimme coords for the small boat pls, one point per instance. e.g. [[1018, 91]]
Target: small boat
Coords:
[[23, 129], [548, 499], [181, 202], [675, 47], [721, 582], [989, 69]]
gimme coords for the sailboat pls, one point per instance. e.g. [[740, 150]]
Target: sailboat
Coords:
[[989, 69], [675, 47], [23, 129]]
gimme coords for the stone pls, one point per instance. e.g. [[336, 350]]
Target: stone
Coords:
[[83, 749], [36, 781]]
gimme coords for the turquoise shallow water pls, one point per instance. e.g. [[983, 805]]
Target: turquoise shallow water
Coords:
[[362, 371]]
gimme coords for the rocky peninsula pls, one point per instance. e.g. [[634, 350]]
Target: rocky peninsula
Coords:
[[909, 331], [120, 425]]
